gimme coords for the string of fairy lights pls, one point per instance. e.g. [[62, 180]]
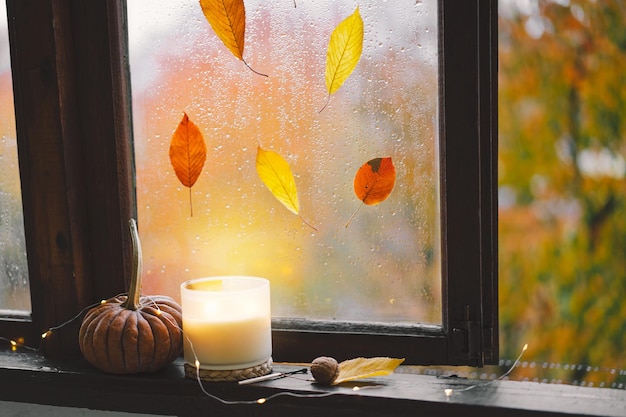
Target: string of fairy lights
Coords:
[[448, 392], [15, 344]]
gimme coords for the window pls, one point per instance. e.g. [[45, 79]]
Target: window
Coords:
[[14, 288], [384, 264], [72, 100]]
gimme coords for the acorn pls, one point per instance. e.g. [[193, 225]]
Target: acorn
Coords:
[[325, 370]]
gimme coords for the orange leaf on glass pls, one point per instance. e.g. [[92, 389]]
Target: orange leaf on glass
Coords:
[[373, 182], [228, 20], [187, 153]]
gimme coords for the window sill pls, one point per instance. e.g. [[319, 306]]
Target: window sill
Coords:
[[28, 377]]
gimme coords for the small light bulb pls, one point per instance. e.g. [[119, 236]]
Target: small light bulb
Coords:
[[13, 343], [261, 400], [525, 347], [355, 388], [44, 335], [197, 364], [448, 392], [103, 301]]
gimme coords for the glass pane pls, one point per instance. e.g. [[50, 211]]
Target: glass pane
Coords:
[[14, 288], [384, 265]]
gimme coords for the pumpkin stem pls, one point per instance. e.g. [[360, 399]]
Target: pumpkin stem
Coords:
[[134, 290]]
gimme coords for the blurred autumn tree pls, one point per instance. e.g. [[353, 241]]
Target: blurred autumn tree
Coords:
[[562, 181]]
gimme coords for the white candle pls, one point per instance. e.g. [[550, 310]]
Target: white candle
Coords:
[[227, 322]]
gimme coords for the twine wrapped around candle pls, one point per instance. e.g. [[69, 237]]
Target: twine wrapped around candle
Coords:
[[228, 375]]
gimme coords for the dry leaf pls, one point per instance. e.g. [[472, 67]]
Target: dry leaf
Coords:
[[344, 51], [187, 153], [276, 175], [374, 181], [359, 368], [228, 20]]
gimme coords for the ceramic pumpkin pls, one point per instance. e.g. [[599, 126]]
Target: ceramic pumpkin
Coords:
[[131, 333]]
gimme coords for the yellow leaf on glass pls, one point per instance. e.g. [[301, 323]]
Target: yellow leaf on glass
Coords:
[[359, 368], [228, 20], [187, 153], [344, 51], [276, 174]]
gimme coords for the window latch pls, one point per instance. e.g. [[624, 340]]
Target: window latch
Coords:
[[466, 341], [471, 343]]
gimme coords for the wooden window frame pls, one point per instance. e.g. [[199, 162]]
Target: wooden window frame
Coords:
[[72, 105], [74, 126], [468, 164]]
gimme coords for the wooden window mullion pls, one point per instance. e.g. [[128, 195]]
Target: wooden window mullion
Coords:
[[73, 146]]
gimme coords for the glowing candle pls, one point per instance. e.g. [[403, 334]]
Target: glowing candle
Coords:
[[227, 321]]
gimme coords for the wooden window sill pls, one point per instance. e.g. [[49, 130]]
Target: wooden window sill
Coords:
[[28, 377]]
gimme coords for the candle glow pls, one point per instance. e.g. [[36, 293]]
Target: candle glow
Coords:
[[227, 322]]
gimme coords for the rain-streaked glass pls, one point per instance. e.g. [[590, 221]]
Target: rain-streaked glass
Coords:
[[14, 287], [385, 266]]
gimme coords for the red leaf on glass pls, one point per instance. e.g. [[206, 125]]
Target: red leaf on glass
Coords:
[[373, 182]]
